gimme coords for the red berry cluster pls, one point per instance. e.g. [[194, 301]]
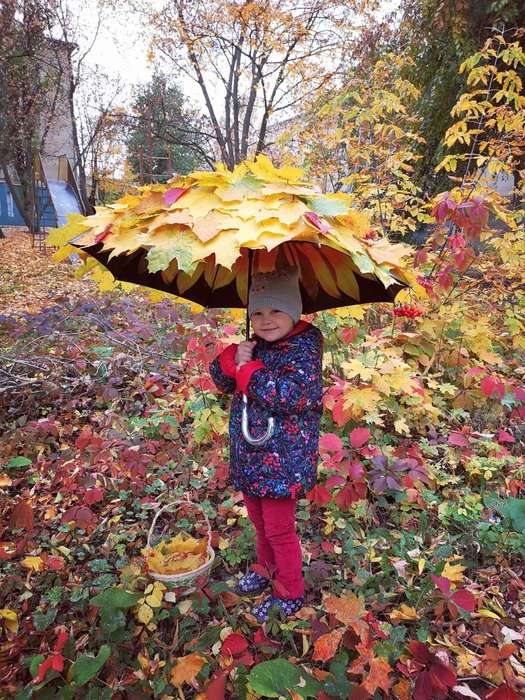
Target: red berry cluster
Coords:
[[408, 311], [371, 235]]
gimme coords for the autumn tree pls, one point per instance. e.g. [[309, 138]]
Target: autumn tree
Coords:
[[255, 61], [31, 69], [164, 135], [438, 36]]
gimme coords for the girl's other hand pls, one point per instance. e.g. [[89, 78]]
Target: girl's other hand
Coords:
[[244, 352]]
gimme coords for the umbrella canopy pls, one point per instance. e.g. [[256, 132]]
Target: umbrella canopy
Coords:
[[192, 237]]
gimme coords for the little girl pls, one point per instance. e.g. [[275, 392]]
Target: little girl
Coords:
[[280, 372]]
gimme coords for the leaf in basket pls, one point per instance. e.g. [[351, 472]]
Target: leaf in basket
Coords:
[[180, 543], [190, 562]]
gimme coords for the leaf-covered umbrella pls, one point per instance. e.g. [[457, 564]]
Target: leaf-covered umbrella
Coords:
[[203, 235], [192, 237]]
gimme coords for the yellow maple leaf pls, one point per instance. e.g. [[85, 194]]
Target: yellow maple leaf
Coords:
[[360, 401], [33, 563], [10, 619], [356, 368], [454, 572]]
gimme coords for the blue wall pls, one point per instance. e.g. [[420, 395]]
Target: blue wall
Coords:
[[53, 211]]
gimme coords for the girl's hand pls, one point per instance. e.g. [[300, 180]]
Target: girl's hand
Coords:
[[244, 352]]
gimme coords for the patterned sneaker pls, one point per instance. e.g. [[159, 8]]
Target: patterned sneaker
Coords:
[[288, 606], [252, 582]]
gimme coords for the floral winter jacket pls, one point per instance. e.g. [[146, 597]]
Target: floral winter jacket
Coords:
[[284, 380]]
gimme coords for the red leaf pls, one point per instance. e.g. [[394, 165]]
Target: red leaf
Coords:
[[103, 234], [22, 516], [171, 196], [503, 436], [464, 599], [359, 436], [330, 442], [489, 385], [54, 662], [82, 516], [504, 692], [420, 651], [350, 494], [423, 689], [61, 639], [313, 219], [217, 688], [318, 495], [442, 583], [349, 334], [234, 645], [459, 439], [55, 563], [93, 496]]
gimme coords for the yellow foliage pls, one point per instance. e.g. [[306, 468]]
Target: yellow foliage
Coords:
[[181, 554]]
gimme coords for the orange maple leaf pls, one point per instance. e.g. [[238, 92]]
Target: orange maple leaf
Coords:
[[186, 668], [326, 645], [348, 609]]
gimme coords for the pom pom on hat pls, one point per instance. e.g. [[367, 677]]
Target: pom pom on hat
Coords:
[[277, 290]]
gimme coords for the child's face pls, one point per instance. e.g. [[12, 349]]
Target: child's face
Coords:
[[271, 324]]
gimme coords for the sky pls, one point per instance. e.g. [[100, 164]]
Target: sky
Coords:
[[121, 48]]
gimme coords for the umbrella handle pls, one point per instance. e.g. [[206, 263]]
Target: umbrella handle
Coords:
[[257, 441]]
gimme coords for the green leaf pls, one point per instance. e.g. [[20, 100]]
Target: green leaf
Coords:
[[85, 667], [160, 258], [17, 462], [116, 598], [363, 262], [42, 620], [275, 678], [112, 619], [327, 207], [99, 565], [34, 664]]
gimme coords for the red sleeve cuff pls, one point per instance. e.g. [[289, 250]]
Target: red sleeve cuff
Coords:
[[244, 374], [227, 360]]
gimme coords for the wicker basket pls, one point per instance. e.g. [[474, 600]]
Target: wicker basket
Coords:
[[183, 582]]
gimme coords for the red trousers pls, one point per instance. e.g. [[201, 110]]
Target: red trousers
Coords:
[[276, 542]]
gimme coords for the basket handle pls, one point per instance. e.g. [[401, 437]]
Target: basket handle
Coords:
[[179, 501]]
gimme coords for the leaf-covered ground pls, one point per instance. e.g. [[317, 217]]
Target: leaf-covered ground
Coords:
[[413, 540]]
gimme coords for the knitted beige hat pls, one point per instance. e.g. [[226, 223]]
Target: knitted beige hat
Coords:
[[277, 290]]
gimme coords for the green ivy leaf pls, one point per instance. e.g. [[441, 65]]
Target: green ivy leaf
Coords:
[[274, 678], [115, 598], [86, 667]]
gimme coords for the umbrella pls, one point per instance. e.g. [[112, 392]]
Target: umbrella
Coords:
[[201, 236]]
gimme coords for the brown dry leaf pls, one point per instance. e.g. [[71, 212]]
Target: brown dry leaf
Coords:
[[22, 516], [186, 668]]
